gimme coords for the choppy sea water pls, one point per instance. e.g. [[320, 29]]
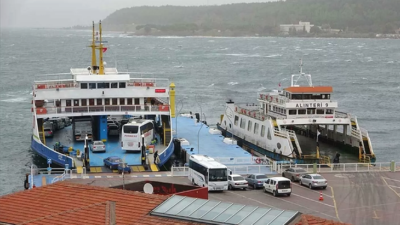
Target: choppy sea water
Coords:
[[364, 73]]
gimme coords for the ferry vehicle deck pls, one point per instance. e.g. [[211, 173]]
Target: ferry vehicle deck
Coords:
[[91, 96]]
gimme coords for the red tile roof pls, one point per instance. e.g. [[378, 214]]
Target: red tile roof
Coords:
[[318, 89], [313, 220], [69, 203]]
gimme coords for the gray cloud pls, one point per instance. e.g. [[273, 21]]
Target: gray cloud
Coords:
[[64, 13]]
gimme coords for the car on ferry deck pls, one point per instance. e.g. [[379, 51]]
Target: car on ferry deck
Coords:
[[124, 167], [313, 181], [113, 130], [256, 180], [236, 181], [97, 146], [112, 162], [48, 132], [294, 173]]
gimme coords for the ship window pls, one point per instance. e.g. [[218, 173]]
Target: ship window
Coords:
[[91, 101], [103, 85], [243, 123], [106, 101], [249, 125], [114, 85], [320, 111], [137, 101], [236, 120], [84, 85], [122, 101], [68, 103], [92, 85], [122, 84], [255, 128], [129, 101], [269, 134], [76, 102], [83, 102], [115, 101], [329, 111], [302, 111], [262, 130], [99, 101], [310, 111]]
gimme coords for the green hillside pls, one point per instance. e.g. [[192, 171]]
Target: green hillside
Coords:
[[355, 16]]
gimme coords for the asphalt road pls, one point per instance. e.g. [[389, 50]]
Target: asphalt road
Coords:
[[363, 198]]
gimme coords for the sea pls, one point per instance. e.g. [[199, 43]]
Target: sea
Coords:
[[207, 72]]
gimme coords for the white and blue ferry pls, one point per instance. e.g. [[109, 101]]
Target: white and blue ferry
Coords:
[[72, 110]]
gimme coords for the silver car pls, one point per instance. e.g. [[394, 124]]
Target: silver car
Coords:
[[294, 173], [97, 146], [236, 181], [256, 180], [313, 181]]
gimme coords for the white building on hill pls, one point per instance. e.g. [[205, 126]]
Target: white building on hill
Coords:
[[285, 28]]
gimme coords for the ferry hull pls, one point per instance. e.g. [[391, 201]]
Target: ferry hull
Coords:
[[47, 153]]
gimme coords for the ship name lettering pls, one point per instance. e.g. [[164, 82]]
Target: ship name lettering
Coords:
[[311, 105]]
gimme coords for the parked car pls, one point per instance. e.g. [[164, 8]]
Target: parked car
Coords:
[[66, 121], [278, 186], [313, 181], [97, 146], [294, 173], [112, 162], [256, 180], [48, 132], [124, 167], [113, 130], [236, 181]]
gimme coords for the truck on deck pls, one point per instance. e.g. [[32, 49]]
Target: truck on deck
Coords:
[[82, 126]]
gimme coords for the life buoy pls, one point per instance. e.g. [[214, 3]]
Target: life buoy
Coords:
[[258, 160]]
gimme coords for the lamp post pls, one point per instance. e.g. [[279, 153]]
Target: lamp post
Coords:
[[123, 176], [198, 135]]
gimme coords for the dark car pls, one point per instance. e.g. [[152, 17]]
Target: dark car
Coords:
[[112, 162], [124, 167], [113, 130]]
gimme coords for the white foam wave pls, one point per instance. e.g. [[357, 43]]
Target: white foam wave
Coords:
[[273, 56], [210, 85], [233, 83], [19, 99]]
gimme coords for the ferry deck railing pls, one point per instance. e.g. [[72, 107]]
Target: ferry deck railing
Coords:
[[102, 108]]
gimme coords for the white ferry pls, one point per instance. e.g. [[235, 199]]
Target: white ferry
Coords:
[[72, 111], [299, 124]]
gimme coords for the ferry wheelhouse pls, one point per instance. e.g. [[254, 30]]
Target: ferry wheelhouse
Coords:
[[71, 110], [299, 124]]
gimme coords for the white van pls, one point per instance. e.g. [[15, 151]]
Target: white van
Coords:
[[278, 186]]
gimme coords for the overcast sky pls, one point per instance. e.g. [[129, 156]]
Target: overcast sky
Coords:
[[64, 13]]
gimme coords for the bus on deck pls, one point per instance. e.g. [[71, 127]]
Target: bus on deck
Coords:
[[206, 172], [134, 131]]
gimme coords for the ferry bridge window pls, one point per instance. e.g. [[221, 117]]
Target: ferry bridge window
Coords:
[[292, 112], [249, 126], [236, 120], [115, 101], [329, 111], [122, 84], [296, 96], [103, 85], [302, 111], [68, 103], [99, 101], [84, 85], [76, 102], [328, 96], [320, 111], [114, 85], [242, 123], [256, 128], [262, 130], [106, 101], [311, 111], [92, 85], [91, 101], [83, 102], [137, 101], [122, 101], [129, 101]]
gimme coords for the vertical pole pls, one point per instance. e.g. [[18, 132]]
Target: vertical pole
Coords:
[[93, 46], [101, 64]]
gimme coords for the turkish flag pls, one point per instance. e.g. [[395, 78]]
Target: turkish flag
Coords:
[[104, 50]]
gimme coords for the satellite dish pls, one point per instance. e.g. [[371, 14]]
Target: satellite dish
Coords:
[[148, 188]]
